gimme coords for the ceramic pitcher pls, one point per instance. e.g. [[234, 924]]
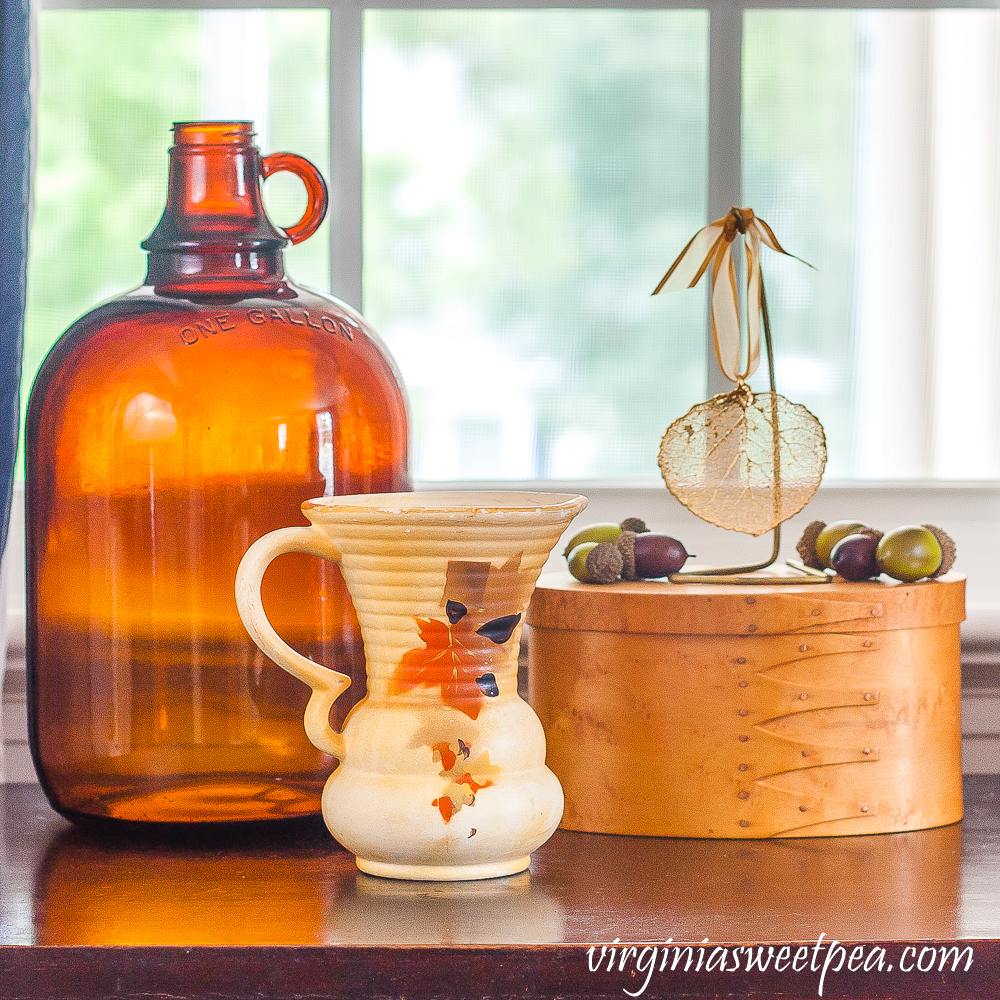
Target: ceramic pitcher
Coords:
[[442, 770]]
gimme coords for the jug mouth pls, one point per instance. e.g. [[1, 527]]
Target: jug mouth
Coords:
[[448, 502], [212, 133]]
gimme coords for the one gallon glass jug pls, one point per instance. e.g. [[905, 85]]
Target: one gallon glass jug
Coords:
[[167, 430]]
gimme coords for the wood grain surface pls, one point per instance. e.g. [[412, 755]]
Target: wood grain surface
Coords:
[[748, 712], [281, 912]]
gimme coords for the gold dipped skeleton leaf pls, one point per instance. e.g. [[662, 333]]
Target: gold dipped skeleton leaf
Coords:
[[741, 460]]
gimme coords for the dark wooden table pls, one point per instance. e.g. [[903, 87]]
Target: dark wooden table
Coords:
[[272, 913]]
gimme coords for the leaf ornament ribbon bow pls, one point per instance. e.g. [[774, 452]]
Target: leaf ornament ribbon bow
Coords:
[[742, 460], [713, 246]]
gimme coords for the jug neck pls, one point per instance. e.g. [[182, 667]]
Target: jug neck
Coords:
[[214, 237]]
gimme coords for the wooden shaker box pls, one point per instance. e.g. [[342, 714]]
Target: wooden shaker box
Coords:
[[702, 710]]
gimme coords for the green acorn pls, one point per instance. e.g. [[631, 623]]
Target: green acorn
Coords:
[[603, 531], [915, 551]]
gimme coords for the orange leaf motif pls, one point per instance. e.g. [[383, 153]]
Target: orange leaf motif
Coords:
[[446, 755], [446, 806], [452, 658], [461, 791], [467, 779]]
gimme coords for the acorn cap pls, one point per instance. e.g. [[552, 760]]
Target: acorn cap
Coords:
[[871, 533], [806, 545], [948, 550], [634, 524], [625, 543], [604, 563]]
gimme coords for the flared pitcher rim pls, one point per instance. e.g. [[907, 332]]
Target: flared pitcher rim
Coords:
[[449, 502]]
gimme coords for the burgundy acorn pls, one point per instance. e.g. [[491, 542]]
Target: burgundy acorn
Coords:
[[657, 555], [853, 557]]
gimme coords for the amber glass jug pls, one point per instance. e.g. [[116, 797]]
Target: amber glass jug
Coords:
[[167, 430]]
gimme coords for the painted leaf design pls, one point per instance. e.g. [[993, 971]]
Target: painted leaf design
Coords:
[[455, 611], [456, 653], [500, 629], [488, 685], [445, 806], [464, 781], [467, 779], [444, 753], [451, 659]]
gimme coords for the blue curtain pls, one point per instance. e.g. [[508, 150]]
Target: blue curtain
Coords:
[[15, 178]]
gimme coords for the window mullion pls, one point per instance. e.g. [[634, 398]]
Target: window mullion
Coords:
[[724, 134], [346, 24]]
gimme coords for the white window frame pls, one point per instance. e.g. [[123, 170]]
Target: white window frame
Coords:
[[970, 511]]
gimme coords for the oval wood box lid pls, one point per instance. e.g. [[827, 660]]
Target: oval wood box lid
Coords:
[[660, 607]]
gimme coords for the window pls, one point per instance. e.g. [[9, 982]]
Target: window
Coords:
[[520, 178], [527, 177]]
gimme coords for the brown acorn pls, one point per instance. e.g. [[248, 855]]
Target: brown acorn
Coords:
[[604, 563], [595, 562], [948, 550], [806, 546], [625, 543], [635, 524]]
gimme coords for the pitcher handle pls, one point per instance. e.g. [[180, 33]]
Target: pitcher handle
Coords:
[[327, 685], [317, 198]]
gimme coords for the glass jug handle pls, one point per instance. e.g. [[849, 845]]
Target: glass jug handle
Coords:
[[316, 193]]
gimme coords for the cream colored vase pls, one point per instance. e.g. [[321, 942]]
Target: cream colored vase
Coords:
[[442, 766]]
